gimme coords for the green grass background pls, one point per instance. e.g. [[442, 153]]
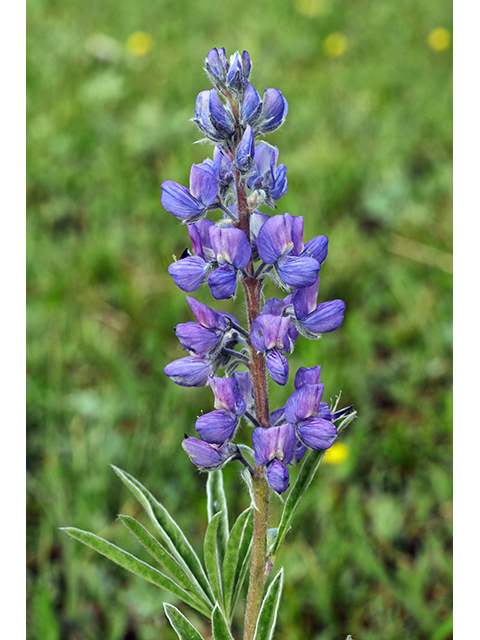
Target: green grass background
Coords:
[[368, 145]]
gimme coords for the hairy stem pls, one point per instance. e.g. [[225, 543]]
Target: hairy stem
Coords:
[[253, 288], [259, 553]]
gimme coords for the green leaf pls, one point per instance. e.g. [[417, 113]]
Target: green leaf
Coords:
[[245, 552], [304, 478], [170, 532], [211, 557], [217, 501], [136, 566], [183, 628], [166, 561], [268, 613], [234, 558], [220, 627]]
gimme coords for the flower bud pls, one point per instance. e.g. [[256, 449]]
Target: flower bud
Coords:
[[217, 426], [245, 157], [189, 372], [208, 457], [216, 66], [278, 476]]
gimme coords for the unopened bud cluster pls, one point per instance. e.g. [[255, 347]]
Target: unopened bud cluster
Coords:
[[242, 176]]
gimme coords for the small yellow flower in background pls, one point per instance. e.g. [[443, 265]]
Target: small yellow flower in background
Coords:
[[337, 453], [312, 8], [335, 44], [439, 39], [139, 43]]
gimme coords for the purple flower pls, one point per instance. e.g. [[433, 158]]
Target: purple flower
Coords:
[[270, 334], [278, 307], [277, 419], [200, 236], [232, 251], [227, 395], [206, 335], [230, 246], [208, 318], [225, 247], [223, 282], [275, 448], [279, 243], [306, 375], [311, 417], [216, 66], [278, 476], [245, 387], [220, 425], [213, 118], [190, 371], [190, 272], [223, 169], [269, 178], [197, 339], [230, 74], [239, 71], [245, 155], [216, 427], [274, 112], [252, 105], [316, 248], [209, 457], [277, 366], [190, 205], [312, 319]]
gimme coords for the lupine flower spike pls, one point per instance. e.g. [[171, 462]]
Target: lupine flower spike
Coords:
[[234, 246], [243, 175]]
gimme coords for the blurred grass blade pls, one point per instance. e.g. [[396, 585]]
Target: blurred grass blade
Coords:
[[136, 566], [217, 501], [220, 627], [166, 561], [304, 478], [171, 533], [233, 557], [268, 613], [211, 557], [244, 552], [183, 628]]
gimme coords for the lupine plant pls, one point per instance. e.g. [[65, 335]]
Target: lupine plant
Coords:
[[239, 251]]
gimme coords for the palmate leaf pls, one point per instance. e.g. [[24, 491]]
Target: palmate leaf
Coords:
[[136, 566], [220, 627], [238, 546], [211, 556], [171, 534], [217, 501], [183, 628], [268, 612], [166, 561]]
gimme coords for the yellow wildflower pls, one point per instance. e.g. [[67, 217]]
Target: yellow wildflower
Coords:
[[337, 453], [439, 39], [312, 8], [139, 43], [335, 44]]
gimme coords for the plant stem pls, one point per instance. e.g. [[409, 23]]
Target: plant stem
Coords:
[[253, 288], [257, 578]]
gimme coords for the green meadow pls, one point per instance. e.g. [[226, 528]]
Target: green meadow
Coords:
[[111, 88]]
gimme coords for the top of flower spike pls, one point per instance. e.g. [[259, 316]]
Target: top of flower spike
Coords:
[[232, 74]]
